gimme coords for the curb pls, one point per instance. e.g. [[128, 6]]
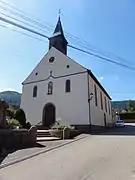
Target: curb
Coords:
[[38, 153]]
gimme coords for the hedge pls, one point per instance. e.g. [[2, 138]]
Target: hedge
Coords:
[[124, 116]]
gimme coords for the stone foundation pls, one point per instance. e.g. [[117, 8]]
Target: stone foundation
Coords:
[[85, 128]]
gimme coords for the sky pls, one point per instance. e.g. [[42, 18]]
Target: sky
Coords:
[[107, 25]]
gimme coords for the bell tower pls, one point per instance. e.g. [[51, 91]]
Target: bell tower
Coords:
[[58, 39]]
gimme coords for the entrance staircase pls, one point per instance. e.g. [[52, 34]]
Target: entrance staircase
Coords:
[[44, 135]]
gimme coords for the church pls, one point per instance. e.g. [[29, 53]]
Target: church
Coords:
[[59, 88]]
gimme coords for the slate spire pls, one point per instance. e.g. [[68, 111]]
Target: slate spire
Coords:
[[58, 39], [58, 28]]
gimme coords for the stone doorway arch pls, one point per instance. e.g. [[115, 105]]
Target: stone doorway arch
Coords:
[[49, 112]]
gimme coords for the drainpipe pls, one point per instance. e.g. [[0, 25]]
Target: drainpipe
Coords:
[[89, 102]]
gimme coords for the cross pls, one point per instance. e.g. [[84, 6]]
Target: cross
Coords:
[[59, 12]]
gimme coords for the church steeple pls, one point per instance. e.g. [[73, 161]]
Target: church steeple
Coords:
[[58, 39], [58, 28]]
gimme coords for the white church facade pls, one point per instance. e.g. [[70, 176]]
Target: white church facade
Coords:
[[61, 88]]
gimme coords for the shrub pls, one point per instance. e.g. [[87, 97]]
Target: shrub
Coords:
[[127, 116], [27, 125], [20, 116], [60, 126], [10, 113], [13, 123]]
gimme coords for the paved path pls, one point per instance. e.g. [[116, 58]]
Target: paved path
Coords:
[[92, 158], [28, 151], [40, 148]]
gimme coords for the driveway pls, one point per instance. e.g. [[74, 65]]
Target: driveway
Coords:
[[97, 157]]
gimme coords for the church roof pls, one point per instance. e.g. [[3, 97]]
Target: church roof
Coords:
[[98, 83]]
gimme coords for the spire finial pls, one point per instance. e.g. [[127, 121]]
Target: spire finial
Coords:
[[59, 12]]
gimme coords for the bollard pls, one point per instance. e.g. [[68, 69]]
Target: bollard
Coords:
[[64, 133]]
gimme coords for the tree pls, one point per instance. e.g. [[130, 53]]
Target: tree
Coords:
[[131, 106], [20, 116], [10, 112]]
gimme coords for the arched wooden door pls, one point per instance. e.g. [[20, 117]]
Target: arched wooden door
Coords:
[[48, 115]]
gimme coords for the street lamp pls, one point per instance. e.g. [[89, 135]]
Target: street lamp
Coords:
[[90, 97]]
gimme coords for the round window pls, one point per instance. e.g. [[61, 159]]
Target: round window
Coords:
[[51, 60]]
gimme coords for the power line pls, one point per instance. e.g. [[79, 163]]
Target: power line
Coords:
[[87, 46], [103, 58], [83, 43], [23, 15], [19, 20], [22, 27], [71, 46], [23, 33]]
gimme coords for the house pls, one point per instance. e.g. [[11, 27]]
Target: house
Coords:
[[60, 88]]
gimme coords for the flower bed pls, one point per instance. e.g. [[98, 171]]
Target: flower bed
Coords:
[[63, 131]]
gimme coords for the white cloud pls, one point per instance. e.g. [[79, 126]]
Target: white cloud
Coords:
[[100, 78]]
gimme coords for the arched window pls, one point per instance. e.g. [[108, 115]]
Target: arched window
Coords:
[[35, 91], [50, 87], [109, 107], [95, 91], [105, 104], [101, 99], [67, 86]]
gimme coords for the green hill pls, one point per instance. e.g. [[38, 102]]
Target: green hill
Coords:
[[11, 98], [120, 104]]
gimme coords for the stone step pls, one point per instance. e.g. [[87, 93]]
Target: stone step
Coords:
[[47, 139], [43, 133], [41, 127]]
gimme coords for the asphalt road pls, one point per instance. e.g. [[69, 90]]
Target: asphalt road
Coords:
[[97, 157]]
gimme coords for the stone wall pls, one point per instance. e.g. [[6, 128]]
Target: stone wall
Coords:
[[15, 138]]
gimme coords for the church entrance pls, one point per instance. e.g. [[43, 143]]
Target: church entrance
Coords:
[[48, 115]]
